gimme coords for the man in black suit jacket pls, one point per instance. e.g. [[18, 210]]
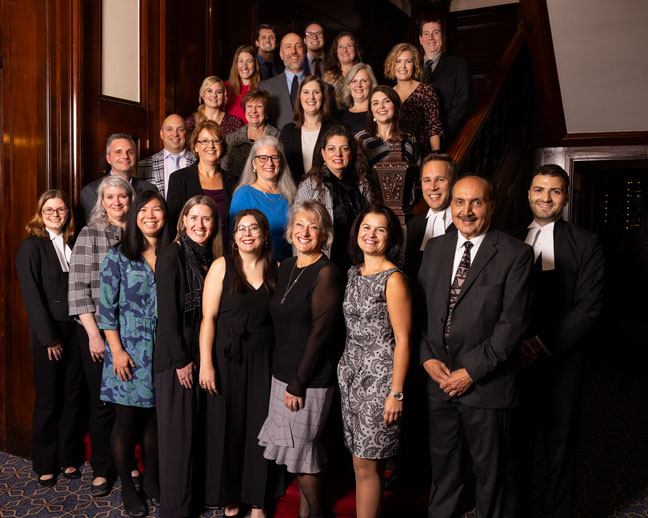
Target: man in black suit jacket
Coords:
[[438, 173], [450, 77], [121, 156], [476, 290], [266, 43], [568, 298]]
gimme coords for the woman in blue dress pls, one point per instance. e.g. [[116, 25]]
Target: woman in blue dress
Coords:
[[266, 184], [128, 316]]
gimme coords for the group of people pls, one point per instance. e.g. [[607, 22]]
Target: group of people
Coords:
[[220, 301]]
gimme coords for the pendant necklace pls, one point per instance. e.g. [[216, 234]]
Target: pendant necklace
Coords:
[[291, 286]]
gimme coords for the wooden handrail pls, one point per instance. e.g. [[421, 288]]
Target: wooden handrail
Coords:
[[471, 128]]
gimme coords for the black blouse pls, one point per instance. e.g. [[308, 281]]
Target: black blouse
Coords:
[[308, 325]]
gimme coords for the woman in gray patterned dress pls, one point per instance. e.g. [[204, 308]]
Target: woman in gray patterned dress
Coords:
[[372, 370]]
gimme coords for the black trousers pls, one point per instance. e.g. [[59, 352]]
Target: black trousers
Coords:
[[487, 434], [179, 443], [551, 395], [56, 441], [102, 414]]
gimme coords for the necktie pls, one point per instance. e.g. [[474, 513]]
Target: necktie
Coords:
[[455, 288], [293, 90], [317, 71], [427, 72], [176, 163]]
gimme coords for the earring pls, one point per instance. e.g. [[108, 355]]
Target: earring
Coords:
[[235, 246], [254, 170], [374, 119]]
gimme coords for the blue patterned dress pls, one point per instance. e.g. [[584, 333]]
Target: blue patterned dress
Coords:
[[128, 304]]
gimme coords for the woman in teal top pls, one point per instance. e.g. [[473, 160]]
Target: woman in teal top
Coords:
[[128, 315], [267, 185]]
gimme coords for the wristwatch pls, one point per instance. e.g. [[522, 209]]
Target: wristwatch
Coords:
[[397, 395]]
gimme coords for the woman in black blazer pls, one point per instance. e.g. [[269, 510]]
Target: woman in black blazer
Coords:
[[180, 276], [204, 177], [42, 262], [311, 118]]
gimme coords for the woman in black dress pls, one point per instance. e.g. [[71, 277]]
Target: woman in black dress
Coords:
[[306, 311], [42, 262], [180, 276], [236, 369]]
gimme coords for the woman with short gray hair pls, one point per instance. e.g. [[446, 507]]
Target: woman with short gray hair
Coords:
[[106, 227]]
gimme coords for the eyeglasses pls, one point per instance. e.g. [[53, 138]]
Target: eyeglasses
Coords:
[[264, 158], [207, 141], [62, 211], [314, 34], [347, 46], [255, 230]]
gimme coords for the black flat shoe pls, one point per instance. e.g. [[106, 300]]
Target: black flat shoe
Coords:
[[48, 482], [72, 474], [101, 489], [137, 512]]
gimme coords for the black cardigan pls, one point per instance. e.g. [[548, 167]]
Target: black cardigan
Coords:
[[185, 183], [291, 139]]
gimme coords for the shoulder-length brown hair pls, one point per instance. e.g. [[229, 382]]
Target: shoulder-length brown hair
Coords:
[[372, 126], [239, 282], [333, 66], [325, 110], [36, 225], [395, 52], [216, 238], [234, 78]]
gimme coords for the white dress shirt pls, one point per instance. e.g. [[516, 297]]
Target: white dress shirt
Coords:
[[459, 251], [169, 166], [437, 223], [63, 251], [541, 239]]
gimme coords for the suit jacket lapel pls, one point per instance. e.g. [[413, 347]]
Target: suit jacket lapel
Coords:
[[486, 251]]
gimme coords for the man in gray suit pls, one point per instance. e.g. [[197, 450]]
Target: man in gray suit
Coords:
[[157, 168], [283, 88]]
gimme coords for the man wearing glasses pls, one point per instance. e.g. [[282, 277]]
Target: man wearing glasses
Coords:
[[314, 40]]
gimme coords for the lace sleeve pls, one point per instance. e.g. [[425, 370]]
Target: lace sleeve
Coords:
[[326, 301]]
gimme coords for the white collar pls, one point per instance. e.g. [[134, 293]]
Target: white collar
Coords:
[[476, 241], [168, 153]]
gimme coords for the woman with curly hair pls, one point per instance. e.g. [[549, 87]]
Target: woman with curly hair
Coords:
[[343, 54]]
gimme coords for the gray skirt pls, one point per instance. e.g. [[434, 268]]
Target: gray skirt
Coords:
[[292, 438]]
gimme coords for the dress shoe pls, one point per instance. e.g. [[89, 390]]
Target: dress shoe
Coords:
[[101, 489], [48, 482], [136, 512], [72, 474]]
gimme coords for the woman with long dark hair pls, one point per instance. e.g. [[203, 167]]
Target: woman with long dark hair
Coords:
[[236, 338], [42, 262], [180, 274], [128, 316]]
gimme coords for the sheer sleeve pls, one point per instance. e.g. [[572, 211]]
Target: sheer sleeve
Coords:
[[326, 301]]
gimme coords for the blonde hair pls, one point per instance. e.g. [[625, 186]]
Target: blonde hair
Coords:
[[234, 77], [347, 98], [207, 82], [394, 53], [36, 225]]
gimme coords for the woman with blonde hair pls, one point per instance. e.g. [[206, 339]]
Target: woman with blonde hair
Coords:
[[244, 77], [358, 85], [212, 99], [420, 104], [42, 262]]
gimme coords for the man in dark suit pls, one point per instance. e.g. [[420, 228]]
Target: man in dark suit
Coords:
[[438, 173], [157, 168], [476, 290], [121, 156], [283, 88], [315, 55], [266, 43], [568, 298], [450, 77]]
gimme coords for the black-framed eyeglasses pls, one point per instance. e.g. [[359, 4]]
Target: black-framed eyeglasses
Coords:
[[207, 141], [61, 210], [264, 158]]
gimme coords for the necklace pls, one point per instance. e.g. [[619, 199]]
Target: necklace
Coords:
[[291, 286]]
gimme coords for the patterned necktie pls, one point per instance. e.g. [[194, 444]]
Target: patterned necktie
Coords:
[[293, 90], [176, 163], [455, 288], [316, 67]]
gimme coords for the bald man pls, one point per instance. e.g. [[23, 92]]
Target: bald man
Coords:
[[157, 168], [476, 298]]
